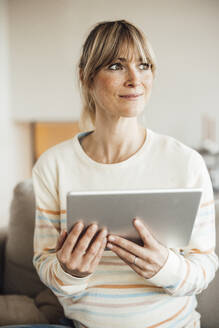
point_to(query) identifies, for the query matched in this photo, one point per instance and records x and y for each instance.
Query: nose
(132, 77)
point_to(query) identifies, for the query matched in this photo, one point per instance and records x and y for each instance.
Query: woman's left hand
(145, 260)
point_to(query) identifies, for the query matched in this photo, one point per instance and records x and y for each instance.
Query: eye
(115, 66)
(146, 66)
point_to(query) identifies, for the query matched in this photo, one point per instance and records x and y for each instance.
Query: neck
(113, 145)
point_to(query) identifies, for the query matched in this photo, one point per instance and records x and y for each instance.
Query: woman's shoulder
(175, 151)
(172, 145)
(55, 156)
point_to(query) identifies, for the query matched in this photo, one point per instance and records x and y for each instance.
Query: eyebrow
(122, 59)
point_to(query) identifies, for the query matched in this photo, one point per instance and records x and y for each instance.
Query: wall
(40, 43)
(47, 35)
(15, 138)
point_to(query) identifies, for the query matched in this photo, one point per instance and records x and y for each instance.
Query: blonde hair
(101, 47)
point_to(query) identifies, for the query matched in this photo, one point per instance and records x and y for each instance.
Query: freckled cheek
(108, 89)
(111, 84)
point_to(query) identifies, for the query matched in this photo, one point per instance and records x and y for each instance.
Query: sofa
(23, 297)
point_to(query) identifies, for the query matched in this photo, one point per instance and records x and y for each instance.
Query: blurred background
(40, 44)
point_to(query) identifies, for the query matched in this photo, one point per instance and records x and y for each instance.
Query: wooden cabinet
(46, 135)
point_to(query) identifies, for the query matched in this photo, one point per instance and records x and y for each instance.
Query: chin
(132, 112)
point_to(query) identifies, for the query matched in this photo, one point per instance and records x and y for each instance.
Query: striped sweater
(114, 295)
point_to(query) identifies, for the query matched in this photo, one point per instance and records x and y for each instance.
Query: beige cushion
(30, 301)
(20, 276)
(18, 309)
(49, 306)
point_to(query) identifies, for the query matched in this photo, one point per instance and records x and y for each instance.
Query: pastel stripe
(151, 307)
(116, 296)
(155, 306)
(58, 280)
(198, 251)
(204, 272)
(45, 226)
(204, 212)
(113, 305)
(172, 317)
(50, 211)
(207, 203)
(113, 272)
(45, 218)
(123, 286)
(186, 276)
(191, 309)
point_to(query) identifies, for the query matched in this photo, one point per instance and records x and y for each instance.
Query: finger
(122, 253)
(144, 232)
(99, 254)
(128, 259)
(96, 245)
(84, 242)
(61, 240)
(72, 239)
(139, 270)
(127, 245)
(140, 263)
(149, 273)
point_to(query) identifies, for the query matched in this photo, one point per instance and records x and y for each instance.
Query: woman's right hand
(79, 254)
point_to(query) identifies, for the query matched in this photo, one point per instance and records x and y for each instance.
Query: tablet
(168, 213)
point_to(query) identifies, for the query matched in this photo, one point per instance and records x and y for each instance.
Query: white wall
(15, 150)
(47, 35)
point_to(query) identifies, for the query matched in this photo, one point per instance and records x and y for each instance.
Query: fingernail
(137, 221)
(111, 238)
(104, 232)
(80, 224)
(94, 226)
(109, 245)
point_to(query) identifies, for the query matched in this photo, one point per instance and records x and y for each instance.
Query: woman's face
(123, 88)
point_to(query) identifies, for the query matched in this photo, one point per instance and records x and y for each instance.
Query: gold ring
(134, 261)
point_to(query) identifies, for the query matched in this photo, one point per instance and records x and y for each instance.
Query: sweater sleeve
(188, 271)
(46, 233)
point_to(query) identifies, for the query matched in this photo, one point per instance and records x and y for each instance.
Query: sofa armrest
(3, 238)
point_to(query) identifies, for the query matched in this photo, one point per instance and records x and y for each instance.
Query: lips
(131, 95)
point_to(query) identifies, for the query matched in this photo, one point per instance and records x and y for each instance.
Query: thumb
(144, 232)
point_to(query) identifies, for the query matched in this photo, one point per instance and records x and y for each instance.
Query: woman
(128, 285)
